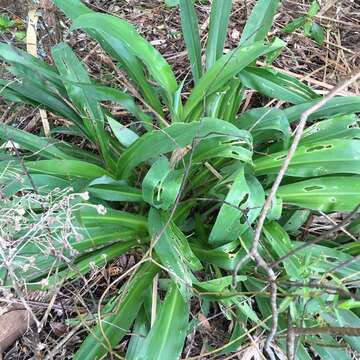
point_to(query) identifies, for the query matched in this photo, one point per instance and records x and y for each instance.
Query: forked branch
(254, 254)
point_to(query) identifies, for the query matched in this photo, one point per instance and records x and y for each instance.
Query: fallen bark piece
(13, 324)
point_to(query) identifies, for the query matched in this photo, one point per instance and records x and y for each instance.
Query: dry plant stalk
(31, 48)
(254, 254)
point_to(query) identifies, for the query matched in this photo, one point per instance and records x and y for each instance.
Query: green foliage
(311, 28)
(12, 26)
(188, 194)
(6, 23)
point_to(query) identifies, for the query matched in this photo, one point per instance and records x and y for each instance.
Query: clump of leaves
(188, 186)
(311, 28)
(8, 25)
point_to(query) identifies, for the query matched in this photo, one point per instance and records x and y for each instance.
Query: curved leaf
(126, 33)
(176, 136)
(126, 308)
(259, 22)
(190, 29)
(165, 340)
(89, 216)
(73, 9)
(219, 18)
(276, 85)
(112, 190)
(263, 122)
(92, 115)
(45, 147)
(223, 70)
(315, 159)
(174, 251)
(280, 242)
(64, 168)
(335, 106)
(227, 224)
(337, 193)
(345, 126)
(161, 184)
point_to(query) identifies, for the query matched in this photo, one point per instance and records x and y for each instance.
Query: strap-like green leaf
(336, 193)
(223, 70)
(259, 22)
(190, 28)
(125, 135)
(175, 137)
(119, 29)
(219, 18)
(45, 147)
(89, 216)
(72, 70)
(126, 308)
(98, 258)
(72, 8)
(279, 241)
(63, 168)
(33, 93)
(11, 184)
(105, 93)
(111, 190)
(227, 224)
(173, 250)
(263, 122)
(276, 85)
(336, 106)
(334, 156)
(165, 340)
(75, 8)
(140, 331)
(345, 127)
(161, 184)
(21, 60)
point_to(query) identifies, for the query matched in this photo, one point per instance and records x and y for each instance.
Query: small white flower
(92, 265)
(44, 282)
(101, 209)
(85, 195)
(79, 237)
(21, 211)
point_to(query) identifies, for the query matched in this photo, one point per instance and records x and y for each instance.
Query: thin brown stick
(343, 264)
(254, 254)
(290, 340)
(327, 287)
(342, 224)
(336, 331)
(344, 331)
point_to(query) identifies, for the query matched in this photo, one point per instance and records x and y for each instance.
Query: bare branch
(254, 254)
(341, 225)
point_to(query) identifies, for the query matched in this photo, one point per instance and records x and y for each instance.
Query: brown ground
(319, 66)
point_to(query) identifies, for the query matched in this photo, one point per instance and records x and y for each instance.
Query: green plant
(6, 24)
(171, 3)
(187, 188)
(311, 28)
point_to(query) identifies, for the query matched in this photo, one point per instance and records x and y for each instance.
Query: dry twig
(254, 254)
(342, 224)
